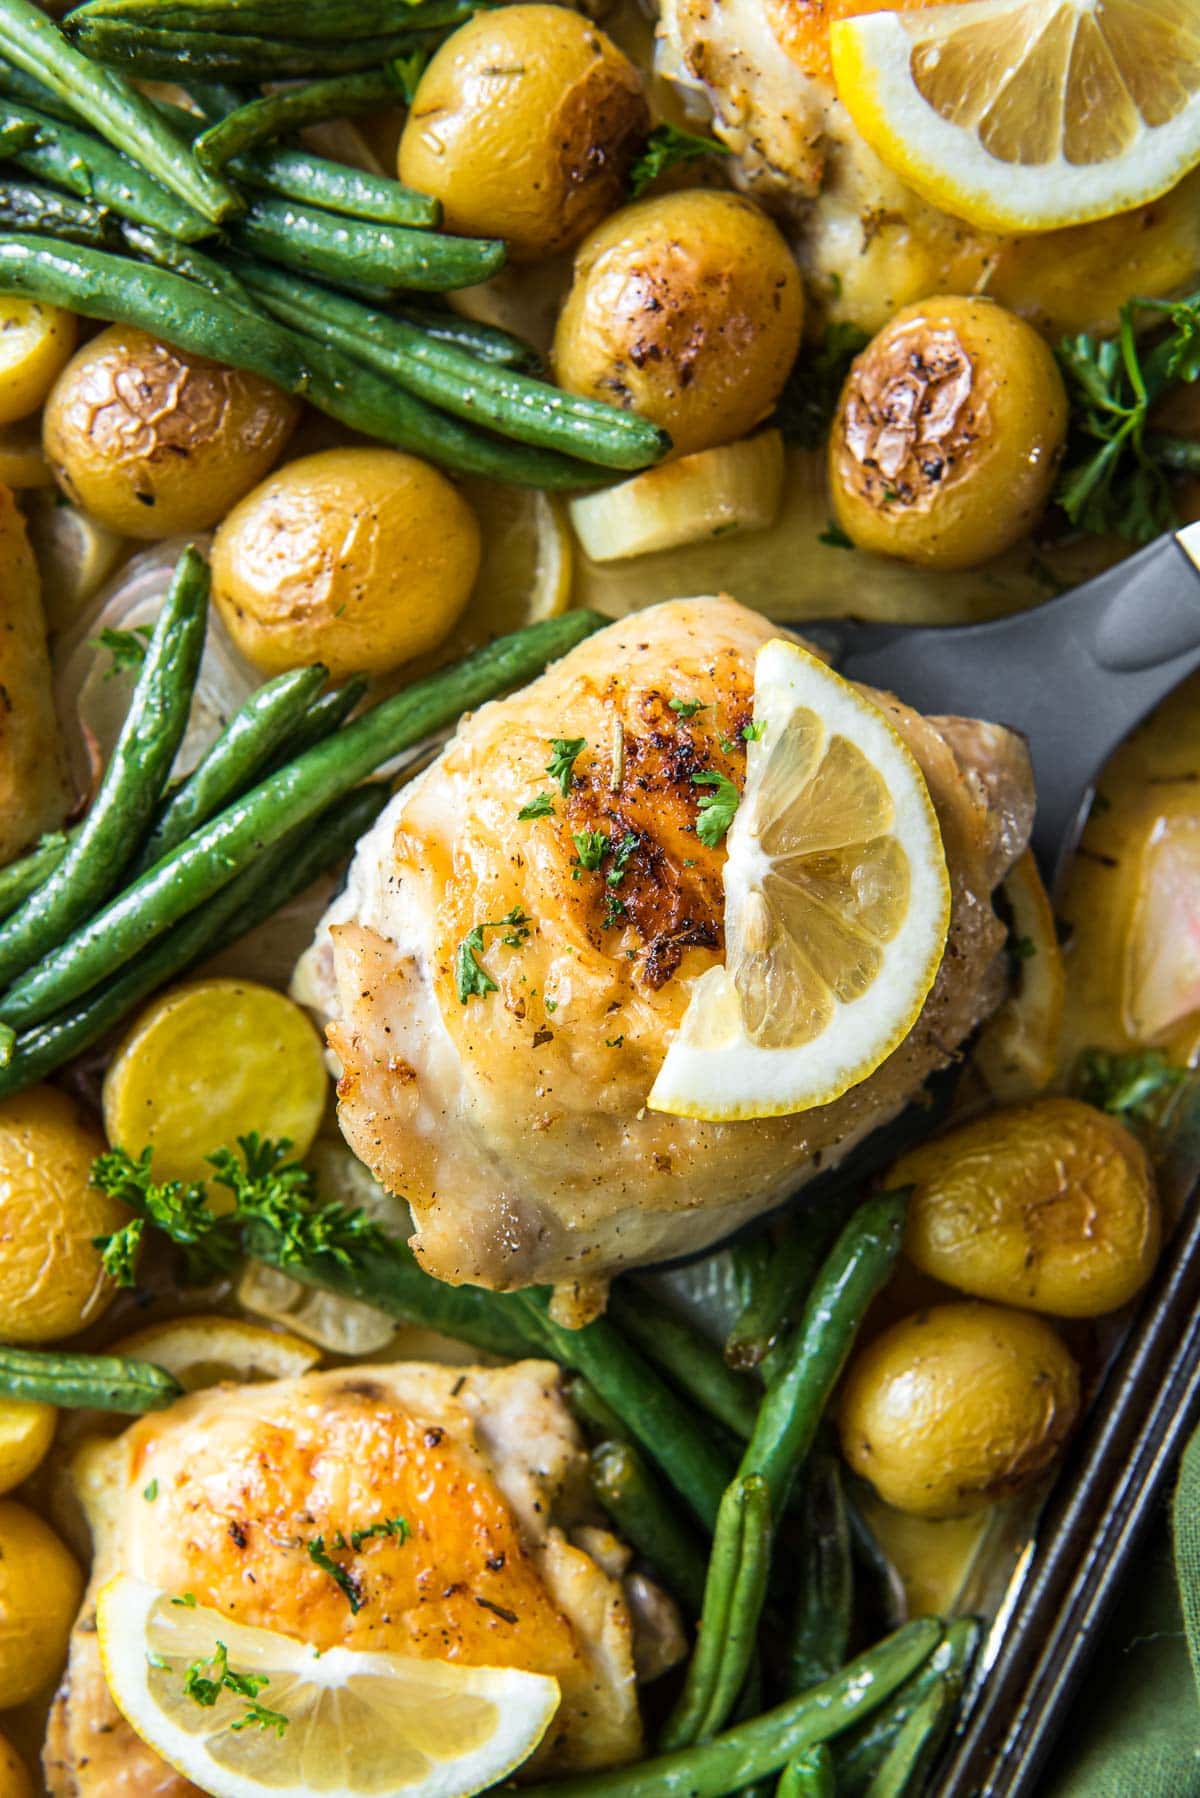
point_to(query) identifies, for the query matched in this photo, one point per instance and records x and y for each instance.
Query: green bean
(321, 719)
(133, 781)
(214, 55)
(28, 206)
(184, 259)
(505, 401)
(486, 343)
(856, 1269)
(859, 1754)
(118, 112)
(86, 166)
(915, 1748)
(278, 114)
(277, 876)
(690, 1362)
(15, 84)
(648, 1520)
(14, 136)
(324, 20)
(167, 305)
(598, 1419)
(749, 1751)
(675, 1440)
(240, 754)
(74, 1382)
(776, 1297)
(210, 858)
(733, 1598)
(808, 1775)
(379, 408)
(820, 1631)
(20, 878)
(324, 243)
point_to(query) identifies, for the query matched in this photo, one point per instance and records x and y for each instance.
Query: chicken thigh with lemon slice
(523, 932)
(438, 1514)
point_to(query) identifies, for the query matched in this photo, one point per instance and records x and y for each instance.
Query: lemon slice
(203, 1350)
(837, 904)
(346, 1724)
(1017, 1049)
(1023, 115)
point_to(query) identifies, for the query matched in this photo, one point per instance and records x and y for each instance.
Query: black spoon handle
(1073, 676)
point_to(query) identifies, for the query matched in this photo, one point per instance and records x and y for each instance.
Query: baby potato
(687, 308)
(40, 1589)
(26, 1432)
(1050, 1206)
(358, 558)
(52, 1282)
(153, 440)
(956, 1407)
(35, 342)
(15, 1779)
(947, 435)
(524, 126)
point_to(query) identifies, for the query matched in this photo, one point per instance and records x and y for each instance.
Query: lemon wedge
(343, 1723)
(1024, 115)
(837, 904)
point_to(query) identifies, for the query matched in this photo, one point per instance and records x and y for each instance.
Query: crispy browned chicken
(498, 1080)
(501, 1565)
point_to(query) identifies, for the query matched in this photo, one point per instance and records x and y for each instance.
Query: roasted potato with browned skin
(33, 782)
(524, 126)
(358, 558)
(948, 434)
(152, 440)
(687, 308)
(956, 1407)
(1050, 1206)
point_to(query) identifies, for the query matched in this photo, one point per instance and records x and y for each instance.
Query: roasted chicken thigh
(494, 1569)
(499, 1001)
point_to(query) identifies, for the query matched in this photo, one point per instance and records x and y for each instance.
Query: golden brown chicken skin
(486, 1470)
(512, 1116)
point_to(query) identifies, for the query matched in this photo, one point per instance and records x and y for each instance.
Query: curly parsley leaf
(119, 1251)
(1133, 1086)
(471, 978)
(564, 753)
(127, 648)
(667, 147)
(716, 808)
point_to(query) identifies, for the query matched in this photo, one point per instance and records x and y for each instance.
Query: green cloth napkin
(1134, 1731)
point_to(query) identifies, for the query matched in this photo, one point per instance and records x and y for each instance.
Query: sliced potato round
(36, 340)
(204, 1350)
(209, 1062)
(736, 487)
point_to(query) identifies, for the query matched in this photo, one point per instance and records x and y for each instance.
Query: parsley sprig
(667, 147)
(1135, 1086)
(1116, 477)
(207, 1678)
(564, 753)
(267, 1189)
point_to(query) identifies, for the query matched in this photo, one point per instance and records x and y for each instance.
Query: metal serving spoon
(1074, 675)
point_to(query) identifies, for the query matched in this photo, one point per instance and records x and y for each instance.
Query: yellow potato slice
(36, 341)
(207, 1063)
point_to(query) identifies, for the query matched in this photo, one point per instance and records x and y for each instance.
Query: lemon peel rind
(754, 1082)
(126, 1603)
(871, 62)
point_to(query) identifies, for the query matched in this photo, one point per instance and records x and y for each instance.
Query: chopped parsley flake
(150, 1492)
(186, 1600)
(391, 1526)
(591, 846)
(686, 708)
(564, 753)
(753, 733)
(205, 1687)
(621, 855)
(471, 979)
(127, 648)
(540, 807)
(716, 808)
(346, 1583)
